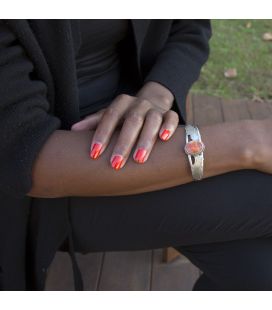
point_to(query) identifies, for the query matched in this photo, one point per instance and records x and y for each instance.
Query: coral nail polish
(140, 155)
(117, 161)
(95, 151)
(165, 134)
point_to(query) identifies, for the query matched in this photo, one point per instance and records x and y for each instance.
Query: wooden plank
(234, 110)
(269, 105)
(126, 271)
(207, 110)
(259, 109)
(179, 275)
(90, 266)
(60, 275)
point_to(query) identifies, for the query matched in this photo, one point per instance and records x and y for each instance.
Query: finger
(148, 136)
(88, 123)
(127, 138)
(100, 112)
(108, 124)
(169, 125)
(129, 134)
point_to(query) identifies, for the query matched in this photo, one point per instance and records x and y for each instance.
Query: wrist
(251, 148)
(228, 147)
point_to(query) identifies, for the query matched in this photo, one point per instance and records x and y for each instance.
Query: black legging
(222, 224)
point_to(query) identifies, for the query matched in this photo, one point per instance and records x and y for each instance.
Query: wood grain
(60, 275)
(178, 275)
(126, 271)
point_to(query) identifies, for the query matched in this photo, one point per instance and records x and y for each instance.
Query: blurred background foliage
(246, 47)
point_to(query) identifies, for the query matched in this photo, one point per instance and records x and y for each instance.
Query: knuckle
(154, 115)
(122, 149)
(122, 97)
(135, 117)
(112, 112)
(144, 103)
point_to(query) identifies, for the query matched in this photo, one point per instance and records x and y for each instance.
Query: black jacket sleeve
(25, 123)
(178, 64)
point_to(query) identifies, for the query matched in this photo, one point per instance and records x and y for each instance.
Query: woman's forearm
(63, 167)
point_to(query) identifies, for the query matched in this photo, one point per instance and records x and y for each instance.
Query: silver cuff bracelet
(194, 148)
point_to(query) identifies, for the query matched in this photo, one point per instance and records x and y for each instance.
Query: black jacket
(38, 94)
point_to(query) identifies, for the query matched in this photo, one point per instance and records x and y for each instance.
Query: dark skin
(64, 168)
(145, 117)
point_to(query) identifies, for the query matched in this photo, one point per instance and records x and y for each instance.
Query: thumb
(90, 122)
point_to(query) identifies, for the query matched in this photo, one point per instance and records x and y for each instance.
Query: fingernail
(117, 161)
(165, 134)
(140, 155)
(96, 149)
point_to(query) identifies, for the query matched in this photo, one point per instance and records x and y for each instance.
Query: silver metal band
(197, 160)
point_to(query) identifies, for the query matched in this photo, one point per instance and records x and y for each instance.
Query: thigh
(234, 265)
(236, 205)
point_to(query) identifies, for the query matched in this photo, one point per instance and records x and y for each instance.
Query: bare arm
(63, 167)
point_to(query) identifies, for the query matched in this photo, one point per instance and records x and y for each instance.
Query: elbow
(45, 192)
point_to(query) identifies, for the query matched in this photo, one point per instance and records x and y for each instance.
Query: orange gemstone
(194, 147)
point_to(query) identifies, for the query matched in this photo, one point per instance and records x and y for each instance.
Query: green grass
(233, 45)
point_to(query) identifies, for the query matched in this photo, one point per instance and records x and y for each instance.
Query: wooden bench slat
(179, 275)
(207, 110)
(234, 110)
(126, 271)
(259, 110)
(60, 275)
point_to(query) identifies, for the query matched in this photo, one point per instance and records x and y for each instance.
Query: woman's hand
(143, 118)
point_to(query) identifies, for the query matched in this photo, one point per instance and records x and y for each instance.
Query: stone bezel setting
(194, 147)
